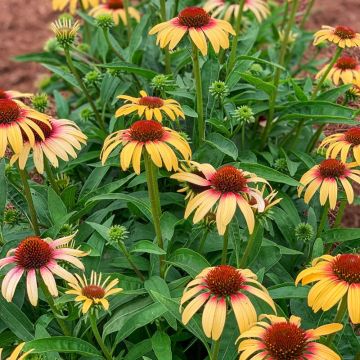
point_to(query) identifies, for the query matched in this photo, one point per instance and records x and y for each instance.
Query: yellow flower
(150, 106)
(19, 123)
(346, 69)
(343, 36)
(215, 288)
(151, 136)
(73, 4)
(343, 143)
(115, 8)
(226, 11)
(61, 137)
(280, 338)
(355, 90)
(15, 355)
(224, 189)
(94, 292)
(326, 177)
(199, 24)
(336, 277)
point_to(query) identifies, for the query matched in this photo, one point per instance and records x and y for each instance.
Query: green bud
(86, 114)
(40, 102)
(117, 234)
(105, 21)
(244, 114)
(304, 232)
(281, 165)
(162, 83)
(256, 69)
(219, 90)
(67, 230)
(65, 31)
(92, 77)
(63, 181)
(11, 215)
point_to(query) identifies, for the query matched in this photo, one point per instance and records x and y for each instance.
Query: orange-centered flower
(227, 9)
(17, 119)
(335, 277)
(16, 354)
(343, 36)
(151, 136)
(73, 4)
(327, 176)
(282, 339)
(216, 288)
(35, 256)
(224, 189)
(343, 143)
(115, 8)
(150, 106)
(60, 140)
(94, 292)
(346, 69)
(12, 94)
(199, 24)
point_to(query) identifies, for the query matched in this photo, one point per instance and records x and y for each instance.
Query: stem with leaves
(323, 220)
(249, 246)
(98, 338)
(166, 50)
(338, 318)
(225, 247)
(132, 264)
(128, 18)
(51, 177)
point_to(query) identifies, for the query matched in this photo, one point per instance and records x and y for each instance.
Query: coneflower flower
(227, 9)
(116, 9)
(343, 36)
(199, 24)
(12, 94)
(149, 136)
(282, 339)
(151, 107)
(225, 189)
(94, 292)
(326, 176)
(216, 288)
(35, 256)
(17, 119)
(336, 277)
(343, 143)
(60, 140)
(16, 354)
(73, 4)
(346, 69)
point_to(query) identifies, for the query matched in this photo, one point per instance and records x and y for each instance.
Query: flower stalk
(132, 264)
(166, 50)
(225, 247)
(98, 338)
(51, 177)
(338, 318)
(215, 350)
(323, 220)
(249, 246)
(128, 19)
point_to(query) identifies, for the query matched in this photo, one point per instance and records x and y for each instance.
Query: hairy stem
(323, 220)
(245, 258)
(338, 319)
(50, 176)
(225, 247)
(98, 338)
(166, 50)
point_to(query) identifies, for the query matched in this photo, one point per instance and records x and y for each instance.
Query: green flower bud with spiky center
(256, 69)
(117, 234)
(65, 31)
(219, 90)
(66, 16)
(281, 165)
(115, 72)
(40, 102)
(11, 215)
(67, 230)
(162, 83)
(105, 21)
(304, 232)
(86, 114)
(63, 181)
(244, 114)
(92, 77)
(52, 45)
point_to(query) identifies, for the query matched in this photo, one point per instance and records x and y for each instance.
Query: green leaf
(258, 83)
(188, 260)
(223, 144)
(138, 350)
(268, 173)
(62, 344)
(188, 111)
(340, 235)
(63, 74)
(57, 208)
(146, 246)
(16, 320)
(256, 246)
(318, 248)
(3, 187)
(130, 68)
(43, 57)
(93, 180)
(161, 344)
(288, 291)
(62, 106)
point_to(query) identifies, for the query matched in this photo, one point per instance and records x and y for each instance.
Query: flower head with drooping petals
(13, 94)
(35, 256)
(217, 287)
(60, 5)
(343, 36)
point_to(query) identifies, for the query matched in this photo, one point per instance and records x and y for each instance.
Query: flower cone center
(347, 268)
(353, 136)
(9, 111)
(347, 63)
(224, 280)
(33, 253)
(146, 130)
(332, 168)
(285, 341)
(151, 102)
(344, 32)
(115, 4)
(229, 179)
(93, 292)
(194, 17)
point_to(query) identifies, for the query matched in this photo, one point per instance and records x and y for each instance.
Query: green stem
(50, 301)
(235, 39)
(132, 264)
(72, 68)
(51, 177)
(199, 95)
(309, 7)
(243, 136)
(323, 220)
(153, 189)
(315, 138)
(278, 72)
(338, 319)
(87, 35)
(326, 73)
(30, 202)
(202, 240)
(176, 7)
(215, 350)
(340, 214)
(285, 15)
(98, 338)
(128, 18)
(166, 50)
(225, 247)
(245, 258)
